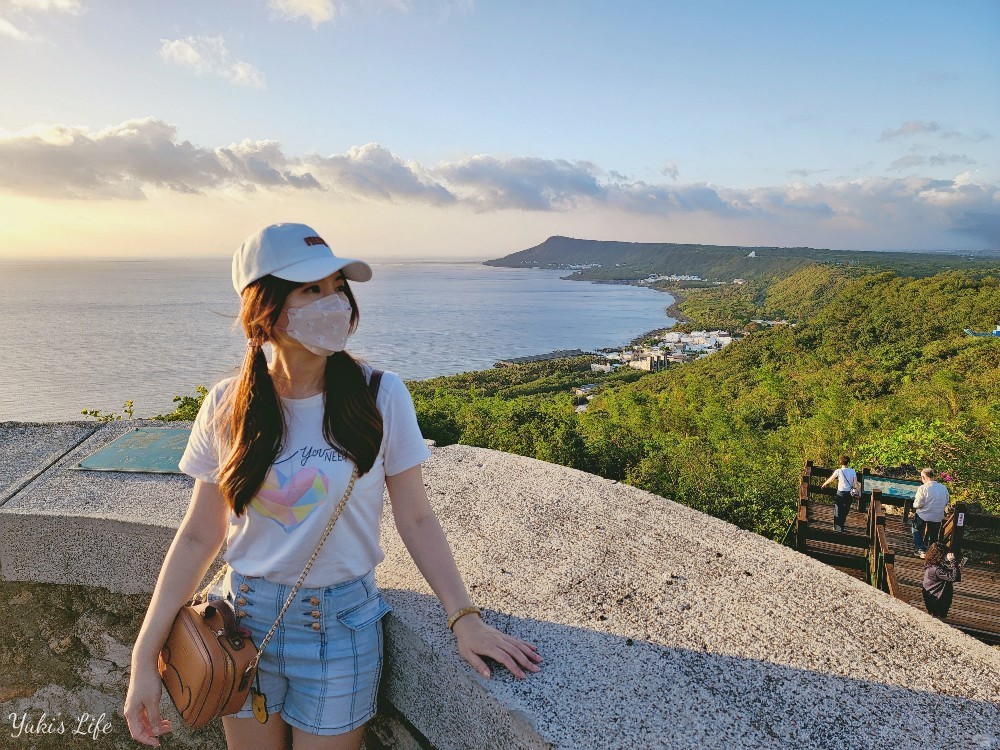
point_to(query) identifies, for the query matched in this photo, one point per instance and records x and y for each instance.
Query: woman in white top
(847, 480)
(272, 451)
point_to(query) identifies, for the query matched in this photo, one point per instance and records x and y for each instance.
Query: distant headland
(600, 260)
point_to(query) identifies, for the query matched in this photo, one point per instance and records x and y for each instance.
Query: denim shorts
(322, 666)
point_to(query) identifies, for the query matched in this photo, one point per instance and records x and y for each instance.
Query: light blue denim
(322, 666)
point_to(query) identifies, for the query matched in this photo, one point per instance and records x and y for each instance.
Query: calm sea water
(93, 334)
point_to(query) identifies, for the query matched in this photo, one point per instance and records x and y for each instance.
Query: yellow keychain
(258, 701)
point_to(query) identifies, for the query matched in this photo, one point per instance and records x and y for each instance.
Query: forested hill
(633, 260)
(876, 365)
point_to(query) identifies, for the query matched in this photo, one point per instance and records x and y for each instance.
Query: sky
(475, 128)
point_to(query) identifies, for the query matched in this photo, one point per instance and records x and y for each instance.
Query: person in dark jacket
(941, 572)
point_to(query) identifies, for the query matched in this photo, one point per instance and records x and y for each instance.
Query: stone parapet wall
(661, 627)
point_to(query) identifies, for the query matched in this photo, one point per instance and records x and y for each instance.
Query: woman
(272, 452)
(848, 489)
(941, 572)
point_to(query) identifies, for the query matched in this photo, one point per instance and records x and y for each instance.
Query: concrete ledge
(91, 528)
(26, 450)
(661, 627)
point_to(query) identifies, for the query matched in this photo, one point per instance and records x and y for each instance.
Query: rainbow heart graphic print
(289, 497)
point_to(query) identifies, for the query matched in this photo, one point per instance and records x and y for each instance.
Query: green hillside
(633, 260)
(876, 365)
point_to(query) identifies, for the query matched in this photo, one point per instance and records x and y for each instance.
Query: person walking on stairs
(929, 504)
(848, 490)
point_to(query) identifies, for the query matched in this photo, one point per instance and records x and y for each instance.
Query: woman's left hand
(477, 639)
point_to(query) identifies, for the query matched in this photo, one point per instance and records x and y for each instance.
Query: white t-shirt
(930, 501)
(281, 526)
(846, 477)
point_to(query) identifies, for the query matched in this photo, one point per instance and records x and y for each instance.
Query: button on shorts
(322, 666)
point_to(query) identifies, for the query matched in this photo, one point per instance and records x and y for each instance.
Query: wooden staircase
(877, 548)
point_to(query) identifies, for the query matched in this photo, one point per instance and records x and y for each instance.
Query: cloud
(59, 6)
(126, 160)
(318, 12)
(134, 158)
(918, 127)
(913, 127)
(906, 162)
(943, 159)
(645, 198)
(981, 225)
(805, 172)
(671, 170)
(463, 7)
(26, 9)
(527, 183)
(315, 11)
(976, 136)
(209, 54)
(373, 172)
(8, 29)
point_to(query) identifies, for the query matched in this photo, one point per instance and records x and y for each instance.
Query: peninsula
(598, 260)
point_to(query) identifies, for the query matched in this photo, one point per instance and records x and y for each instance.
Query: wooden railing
(881, 559)
(961, 521)
(801, 526)
(806, 488)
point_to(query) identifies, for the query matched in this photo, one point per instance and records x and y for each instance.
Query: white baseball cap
(293, 252)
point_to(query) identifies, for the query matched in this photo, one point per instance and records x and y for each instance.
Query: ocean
(94, 333)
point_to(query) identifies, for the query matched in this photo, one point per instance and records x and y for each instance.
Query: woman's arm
(832, 478)
(196, 543)
(425, 540)
(953, 573)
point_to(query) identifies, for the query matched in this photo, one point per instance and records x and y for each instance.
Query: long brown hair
(935, 555)
(252, 420)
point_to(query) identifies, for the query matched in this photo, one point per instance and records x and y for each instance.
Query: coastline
(674, 310)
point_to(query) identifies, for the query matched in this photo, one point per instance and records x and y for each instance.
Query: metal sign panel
(144, 449)
(897, 488)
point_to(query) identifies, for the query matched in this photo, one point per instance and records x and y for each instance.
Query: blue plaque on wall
(147, 449)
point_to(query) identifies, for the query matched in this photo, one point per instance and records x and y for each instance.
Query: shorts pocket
(373, 609)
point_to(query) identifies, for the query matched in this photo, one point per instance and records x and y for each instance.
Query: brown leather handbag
(208, 663)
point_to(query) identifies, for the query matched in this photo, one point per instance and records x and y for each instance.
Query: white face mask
(322, 326)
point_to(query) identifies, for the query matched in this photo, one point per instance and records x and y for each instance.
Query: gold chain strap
(203, 594)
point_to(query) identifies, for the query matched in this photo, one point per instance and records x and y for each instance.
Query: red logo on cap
(315, 241)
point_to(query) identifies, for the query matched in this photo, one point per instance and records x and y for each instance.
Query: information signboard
(903, 489)
(147, 449)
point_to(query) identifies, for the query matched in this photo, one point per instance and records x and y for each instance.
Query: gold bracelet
(470, 610)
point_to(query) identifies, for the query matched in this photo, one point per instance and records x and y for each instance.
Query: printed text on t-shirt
(306, 452)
